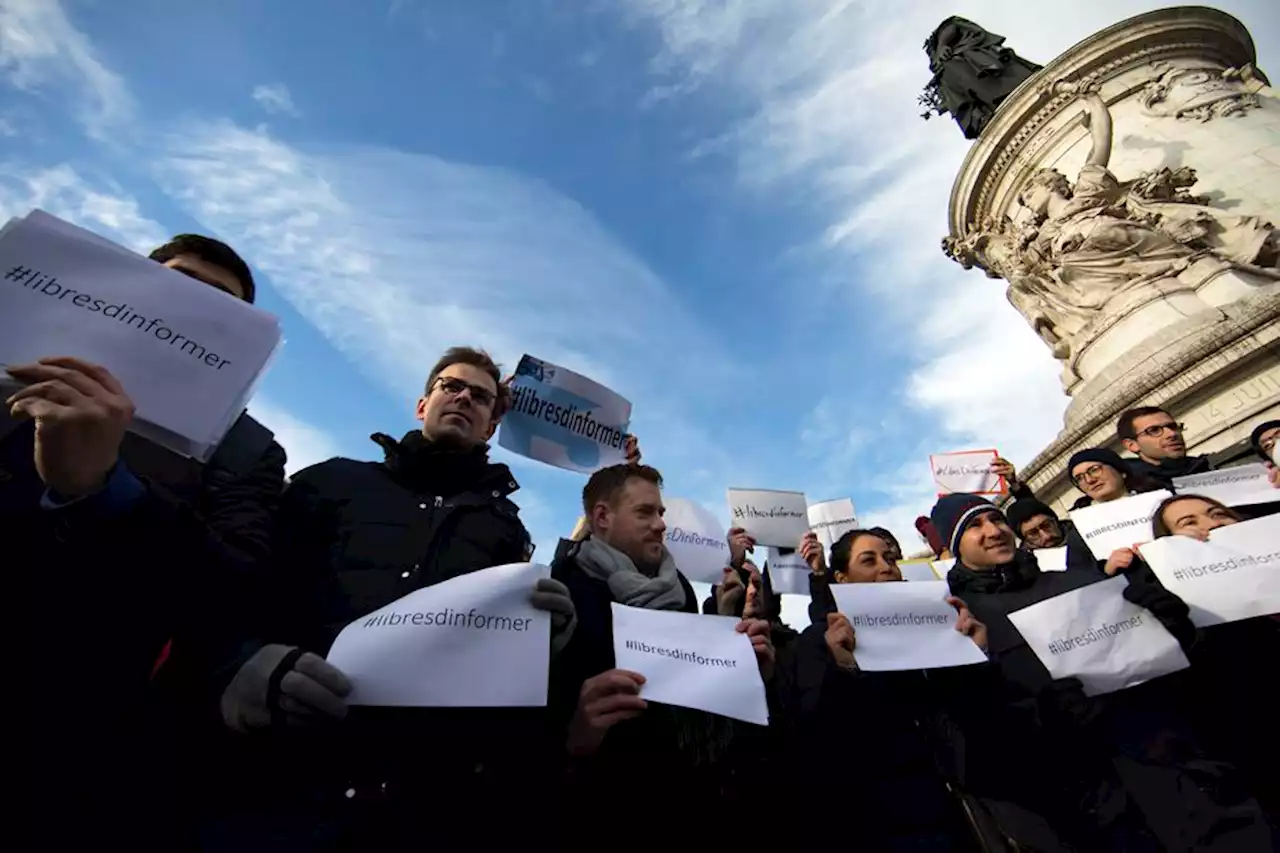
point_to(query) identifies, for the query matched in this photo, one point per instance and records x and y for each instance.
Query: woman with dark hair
(1224, 663)
(884, 740)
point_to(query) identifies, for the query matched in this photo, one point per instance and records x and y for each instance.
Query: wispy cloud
(41, 50)
(97, 205)
(275, 99)
(303, 442)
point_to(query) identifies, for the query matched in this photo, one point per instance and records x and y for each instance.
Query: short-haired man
(135, 545)
(1155, 437)
(354, 536)
(614, 735)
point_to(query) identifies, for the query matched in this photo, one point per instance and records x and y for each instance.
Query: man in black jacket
(132, 546)
(351, 537)
(1156, 439)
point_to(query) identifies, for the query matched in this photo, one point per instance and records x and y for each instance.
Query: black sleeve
(1146, 591)
(1022, 492)
(821, 601)
(242, 510)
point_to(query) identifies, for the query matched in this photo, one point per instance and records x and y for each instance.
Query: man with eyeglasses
(354, 536)
(1156, 439)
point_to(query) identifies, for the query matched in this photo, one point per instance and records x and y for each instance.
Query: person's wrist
(75, 487)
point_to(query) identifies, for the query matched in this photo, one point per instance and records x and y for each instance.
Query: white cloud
(275, 99)
(99, 206)
(40, 50)
(304, 443)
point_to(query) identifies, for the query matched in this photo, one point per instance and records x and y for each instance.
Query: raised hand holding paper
(831, 520)
(474, 641)
(564, 419)
(904, 626)
(966, 471)
(1233, 576)
(1116, 524)
(1095, 635)
(771, 517)
(695, 538)
(691, 660)
(1238, 486)
(788, 573)
(187, 355)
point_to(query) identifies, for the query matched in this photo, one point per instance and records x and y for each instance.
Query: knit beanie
(952, 514)
(1023, 510)
(1255, 439)
(1097, 454)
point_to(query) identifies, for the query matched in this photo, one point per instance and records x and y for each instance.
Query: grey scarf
(626, 583)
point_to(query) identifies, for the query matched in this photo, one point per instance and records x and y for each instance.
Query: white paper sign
(917, 571)
(941, 567)
(691, 660)
(1238, 486)
(831, 520)
(187, 354)
(1233, 576)
(474, 641)
(773, 518)
(1051, 559)
(564, 419)
(966, 471)
(904, 626)
(696, 540)
(1095, 635)
(788, 573)
(1122, 523)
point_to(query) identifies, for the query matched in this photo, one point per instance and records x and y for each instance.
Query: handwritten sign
(772, 517)
(696, 540)
(564, 419)
(831, 520)
(1233, 576)
(1117, 524)
(967, 472)
(1238, 486)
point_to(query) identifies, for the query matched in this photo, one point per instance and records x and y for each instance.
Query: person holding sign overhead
(145, 552)
(615, 737)
(351, 538)
(1129, 772)
(883, 739)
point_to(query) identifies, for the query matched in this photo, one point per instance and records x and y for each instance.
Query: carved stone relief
(1198, 94)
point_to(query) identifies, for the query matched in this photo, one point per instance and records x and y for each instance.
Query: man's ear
(1131, 445)
(420, 413)
(489, 433)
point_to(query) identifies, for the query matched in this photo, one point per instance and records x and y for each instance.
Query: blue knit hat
(952, 514)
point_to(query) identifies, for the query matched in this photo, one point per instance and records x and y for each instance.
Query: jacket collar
(425, 467)
(1019, 573)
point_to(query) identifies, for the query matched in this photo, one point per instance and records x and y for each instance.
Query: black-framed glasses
(1093, 472)
(454, 386)
(1044, 530)
(1157, 430)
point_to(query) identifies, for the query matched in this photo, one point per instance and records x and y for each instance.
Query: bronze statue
(972, 73)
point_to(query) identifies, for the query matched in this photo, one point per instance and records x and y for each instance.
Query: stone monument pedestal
(1147, 265)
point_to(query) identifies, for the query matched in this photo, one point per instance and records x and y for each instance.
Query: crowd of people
(179, 615)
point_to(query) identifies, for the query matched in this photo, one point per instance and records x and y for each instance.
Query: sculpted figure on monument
(972, 73)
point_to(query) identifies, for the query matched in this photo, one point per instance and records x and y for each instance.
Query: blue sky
(727, 211)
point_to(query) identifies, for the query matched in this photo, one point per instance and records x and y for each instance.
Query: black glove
(283, 685)
(553, 596)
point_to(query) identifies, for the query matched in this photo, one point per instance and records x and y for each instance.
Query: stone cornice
(1197, 32)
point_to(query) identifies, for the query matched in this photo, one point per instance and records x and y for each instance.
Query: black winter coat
(690, 756)
(1129, 770)
(883, 749)
(105, 594)
(352, 537)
